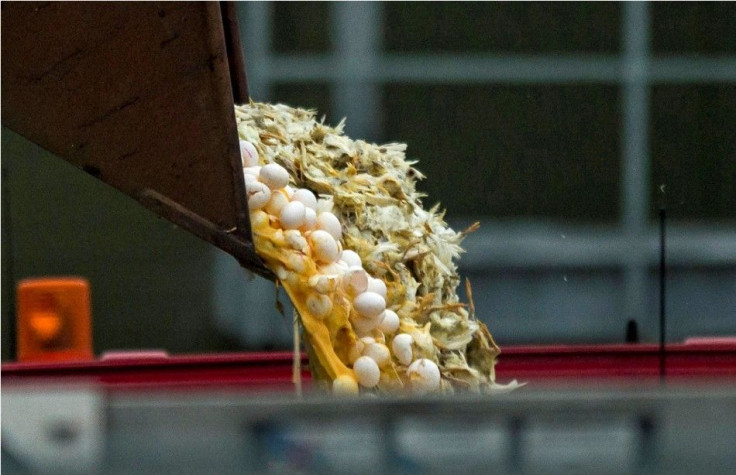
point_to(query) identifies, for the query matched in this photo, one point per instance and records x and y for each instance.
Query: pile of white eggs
(311, 229)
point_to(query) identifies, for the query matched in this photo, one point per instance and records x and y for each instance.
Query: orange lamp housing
(54, 322)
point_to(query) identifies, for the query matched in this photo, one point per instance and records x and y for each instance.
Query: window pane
(301, 27)
(305, 96)
(509, 151)
(518, 27)
(551, 306)
(694, 149)
(693, 27)
(700, 301)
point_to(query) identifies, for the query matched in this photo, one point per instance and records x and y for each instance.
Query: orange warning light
(54, 322)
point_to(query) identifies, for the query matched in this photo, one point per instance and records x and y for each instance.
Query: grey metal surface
(357, 36)
(610, 431)
(672, 430)
(497, 245)
(53, 430)
(486, 68)
(635, 157)
(256, 18)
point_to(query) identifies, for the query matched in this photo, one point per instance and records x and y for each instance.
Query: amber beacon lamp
(54, 320)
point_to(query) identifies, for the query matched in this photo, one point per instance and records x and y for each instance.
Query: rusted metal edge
(236, 62)
(230, 242)
(86, 104)
(239, 86)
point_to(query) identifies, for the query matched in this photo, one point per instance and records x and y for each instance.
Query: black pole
(662, 289)
(9, 277)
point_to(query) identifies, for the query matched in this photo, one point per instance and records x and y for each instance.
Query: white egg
(355, 281)
(363, 326)
(282, 272)
(319, 305)
(292, 279)
(355, 351)
(390, 322)
(333, 268)
(377, 286)
(379, 353)
(323, 283)
(345, 385)
(249, 178)
(310, 219)
(366, 371)
(351, 258)
(289, 191)
(324, 246)
(276, 203)
(258, 195)
(295, 240)
(274, 176)
(278, 237)
(297, 262)
(379, 318)
(367, 340)
(327, 221)
(424, 376)
(258, 219)
(248, 153)
(253, 171)
(369, 305)
(306, 197)
(292, 215)
(286, 276)
(401, 347)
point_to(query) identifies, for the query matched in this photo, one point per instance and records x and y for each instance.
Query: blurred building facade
(562, 127)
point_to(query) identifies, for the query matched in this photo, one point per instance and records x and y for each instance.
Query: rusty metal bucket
(140, 95)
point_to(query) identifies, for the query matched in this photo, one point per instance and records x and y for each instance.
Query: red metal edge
(258, 371)
(578, 364)
(150, 359)
(707, 360)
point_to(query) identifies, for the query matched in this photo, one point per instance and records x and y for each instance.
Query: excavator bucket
(139, 95)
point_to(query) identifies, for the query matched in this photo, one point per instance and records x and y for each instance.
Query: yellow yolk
(331, 336)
